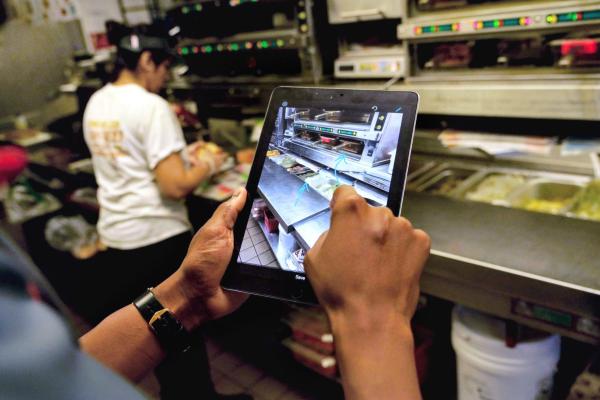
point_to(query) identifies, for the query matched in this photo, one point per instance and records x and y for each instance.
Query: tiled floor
(232, 375)
(255, 248)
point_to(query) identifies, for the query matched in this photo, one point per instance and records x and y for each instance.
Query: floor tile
(213, 349)
(268, 388)
(293, 395)
(253, 261)
(226, 363)
(262, 247)
(253, 230)
(266, 258)
(246, 243)
(227, 386)
(246, 375)
(247, 254)
(258, 238)
(216, 375)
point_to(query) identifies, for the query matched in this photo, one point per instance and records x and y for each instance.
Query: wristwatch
(169, 331)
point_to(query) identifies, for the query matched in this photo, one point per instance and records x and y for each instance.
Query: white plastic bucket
(489, 370)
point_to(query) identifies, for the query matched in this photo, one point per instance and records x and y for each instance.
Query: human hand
(198, 280)
(206, 154)
(367, 266)
(193, 150)
(218, 160)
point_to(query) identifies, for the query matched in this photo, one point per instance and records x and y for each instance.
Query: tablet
(313, 141)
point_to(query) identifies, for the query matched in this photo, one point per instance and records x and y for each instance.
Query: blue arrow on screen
(338, 161)
(302, 189)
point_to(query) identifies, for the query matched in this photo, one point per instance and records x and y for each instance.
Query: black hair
(127, 59)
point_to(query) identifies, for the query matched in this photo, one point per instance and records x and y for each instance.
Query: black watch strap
(171, 334)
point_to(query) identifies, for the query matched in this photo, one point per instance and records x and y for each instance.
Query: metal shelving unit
(287, 50)
(492, 19)
(527, 91)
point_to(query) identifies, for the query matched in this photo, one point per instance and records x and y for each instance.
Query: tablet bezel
(288, 285)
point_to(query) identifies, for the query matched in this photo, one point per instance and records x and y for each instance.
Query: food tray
(542, 195)
(446, 180)
(417, 168)
(587, 203)
(491, 186)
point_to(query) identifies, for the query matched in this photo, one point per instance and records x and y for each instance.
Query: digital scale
(371, 63)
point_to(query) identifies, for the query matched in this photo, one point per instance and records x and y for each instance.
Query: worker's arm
(365, 271)
(124, 342)
(176, 181)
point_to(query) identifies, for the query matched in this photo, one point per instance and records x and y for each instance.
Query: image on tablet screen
(311, 152)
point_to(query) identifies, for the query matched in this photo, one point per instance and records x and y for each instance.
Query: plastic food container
(323, 364)
(492, 187)
(587, 204)
(270, 221)
(312, 331)
(417, 168)
(258, 208)
(546, 196)
(446, 180)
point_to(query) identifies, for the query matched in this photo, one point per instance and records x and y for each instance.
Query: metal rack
(257, 52)
(501, 18)
(542, 91)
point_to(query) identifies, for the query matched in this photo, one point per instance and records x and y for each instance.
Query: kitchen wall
(33, 58)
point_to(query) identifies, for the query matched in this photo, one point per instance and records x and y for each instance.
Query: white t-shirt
(129, 131)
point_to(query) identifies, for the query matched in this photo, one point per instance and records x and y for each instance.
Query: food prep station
(511, 236)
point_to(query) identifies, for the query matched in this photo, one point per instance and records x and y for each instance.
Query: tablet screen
(311, 152)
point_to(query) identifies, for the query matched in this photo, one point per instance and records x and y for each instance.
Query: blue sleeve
(39, 356)
(39, 360)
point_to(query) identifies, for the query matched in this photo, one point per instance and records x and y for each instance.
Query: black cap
(142, 38)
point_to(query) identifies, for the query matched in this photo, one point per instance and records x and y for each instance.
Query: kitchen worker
(370, 312)
(141, 167)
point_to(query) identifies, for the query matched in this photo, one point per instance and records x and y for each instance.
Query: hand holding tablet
(368, 258)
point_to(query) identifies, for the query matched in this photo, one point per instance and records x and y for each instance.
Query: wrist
(370, 325)
(371, 349)
(172, 295)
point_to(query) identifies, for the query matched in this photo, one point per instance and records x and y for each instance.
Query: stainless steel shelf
(279, 189)
(258, 35)
(495, 258)
(526, 16)
(574, 99)
(507, 74)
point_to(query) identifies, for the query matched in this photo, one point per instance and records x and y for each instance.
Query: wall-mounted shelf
(544, 99)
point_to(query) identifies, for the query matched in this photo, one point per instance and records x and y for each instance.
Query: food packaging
(320, 363)
(245, 156)
(576, 52)
(270, 221)
(311, 328)
(258, 209)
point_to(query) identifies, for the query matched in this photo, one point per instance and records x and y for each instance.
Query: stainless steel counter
(308, 232)
(280, 190)
(496, 258)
